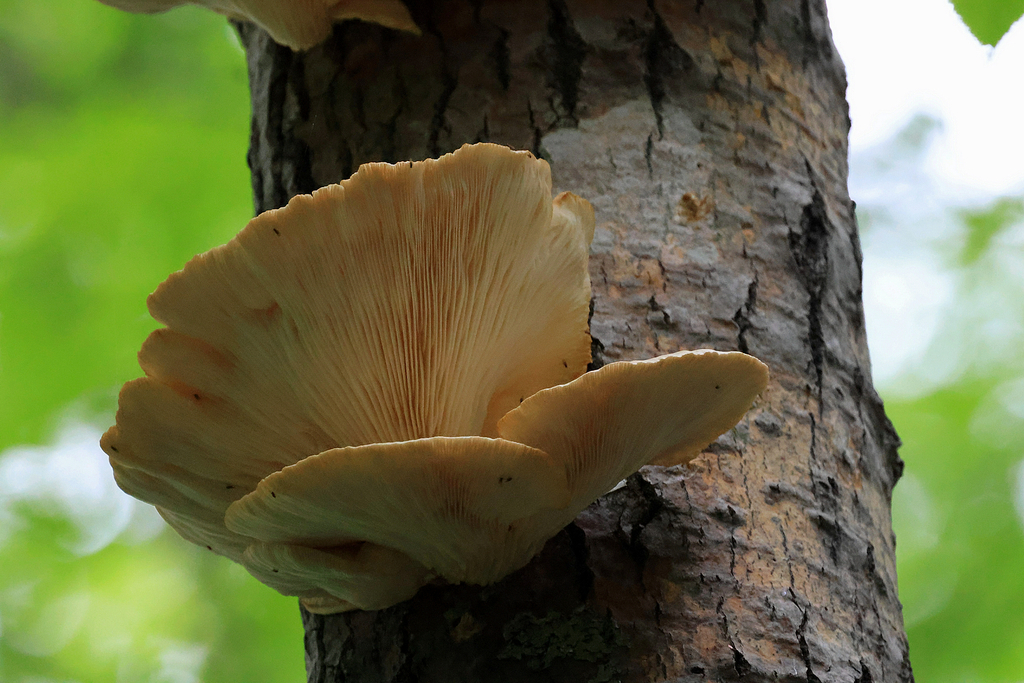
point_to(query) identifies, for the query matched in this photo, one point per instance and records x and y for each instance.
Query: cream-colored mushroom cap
(452, 504)
(299, 24)
(476, 509)
(410, 301)
(661, 411)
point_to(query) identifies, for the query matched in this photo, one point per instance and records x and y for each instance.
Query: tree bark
(711, 139)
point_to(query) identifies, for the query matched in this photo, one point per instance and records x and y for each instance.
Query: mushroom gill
(383, 383)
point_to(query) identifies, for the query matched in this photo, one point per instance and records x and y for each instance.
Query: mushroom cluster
(299, 24)
(384, 383)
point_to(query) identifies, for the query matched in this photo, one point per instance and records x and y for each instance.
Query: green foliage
(104, 193)
(989, 20)
(122, 154)
(960, 546)
(982, 226)
(958, 513)
(137, 612)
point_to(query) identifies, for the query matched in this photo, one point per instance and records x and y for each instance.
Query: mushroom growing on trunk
(383, 383)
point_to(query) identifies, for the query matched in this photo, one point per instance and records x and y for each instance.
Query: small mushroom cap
(608, 423)
(410, 301)
(451, 504)
(299, 24)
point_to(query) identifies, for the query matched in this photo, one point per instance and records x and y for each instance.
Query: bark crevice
(744, 316)
(569, 50)
(664, 61)
(810, 247)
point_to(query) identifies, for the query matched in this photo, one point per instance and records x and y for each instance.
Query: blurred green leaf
(960, 529)
(986, 224)
(119, 614)
(960, 539)
(989, 20)
(122, 154)
(113, 178)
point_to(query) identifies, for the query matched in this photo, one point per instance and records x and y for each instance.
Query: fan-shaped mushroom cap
(410, 301)
(452, 504)
(607, 424)
(476, 509)
(299, 24)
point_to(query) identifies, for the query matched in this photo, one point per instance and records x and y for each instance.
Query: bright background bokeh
(122, 154)
(937, 171)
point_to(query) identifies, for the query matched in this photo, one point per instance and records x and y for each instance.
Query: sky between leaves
(122, 154)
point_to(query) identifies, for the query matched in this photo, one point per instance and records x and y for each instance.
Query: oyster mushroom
(381, 384)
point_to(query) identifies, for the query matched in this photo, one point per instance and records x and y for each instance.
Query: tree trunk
(711, 139)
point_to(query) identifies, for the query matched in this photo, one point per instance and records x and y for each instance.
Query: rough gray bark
(711, 139)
